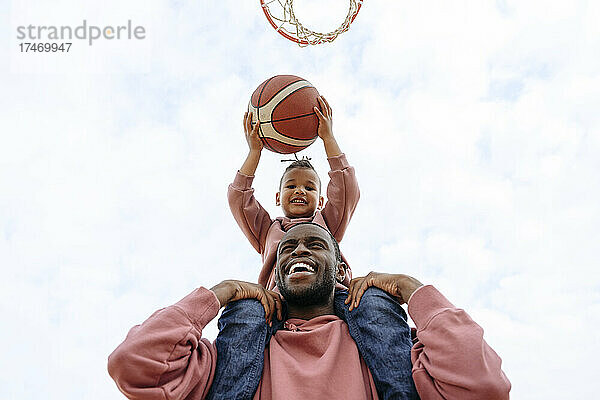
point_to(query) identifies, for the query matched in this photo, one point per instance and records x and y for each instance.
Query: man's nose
(300, 249)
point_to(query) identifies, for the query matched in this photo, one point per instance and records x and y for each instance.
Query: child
(300, 183)
(244, 332)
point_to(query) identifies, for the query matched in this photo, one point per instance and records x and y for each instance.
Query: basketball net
(280, 14)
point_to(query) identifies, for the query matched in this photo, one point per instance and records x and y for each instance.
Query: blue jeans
(378, 326)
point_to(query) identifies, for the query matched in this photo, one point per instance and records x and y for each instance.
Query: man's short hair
(336, 246)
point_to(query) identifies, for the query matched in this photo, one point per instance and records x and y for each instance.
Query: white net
(281, 15)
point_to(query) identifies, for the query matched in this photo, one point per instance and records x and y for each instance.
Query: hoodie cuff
(338, 163)
(201, 306)
(242, 182)
(425, 303)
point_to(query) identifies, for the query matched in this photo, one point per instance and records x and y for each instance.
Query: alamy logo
(81, 32)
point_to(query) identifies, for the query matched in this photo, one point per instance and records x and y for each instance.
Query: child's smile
(299, 194)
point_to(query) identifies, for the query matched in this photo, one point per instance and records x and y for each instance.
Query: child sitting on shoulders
(299, 196)
(378, 326)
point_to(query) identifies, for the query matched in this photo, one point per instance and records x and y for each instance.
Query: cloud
(473, 129)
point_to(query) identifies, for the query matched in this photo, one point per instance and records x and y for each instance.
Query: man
(314, 357)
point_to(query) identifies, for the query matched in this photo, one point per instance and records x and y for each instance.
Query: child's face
(299, 193)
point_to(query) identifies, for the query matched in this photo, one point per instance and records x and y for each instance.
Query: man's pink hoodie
(166, 357)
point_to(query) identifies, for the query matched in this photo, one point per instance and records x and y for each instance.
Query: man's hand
(398, 285)
(254, 142)
(325, 130)
(230, 290)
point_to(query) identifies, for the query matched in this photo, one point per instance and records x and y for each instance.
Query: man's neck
(310, 312)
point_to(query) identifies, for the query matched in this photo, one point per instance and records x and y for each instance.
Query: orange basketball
(284, 107)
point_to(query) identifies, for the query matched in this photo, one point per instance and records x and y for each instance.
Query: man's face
(307, 266)
(299, 193)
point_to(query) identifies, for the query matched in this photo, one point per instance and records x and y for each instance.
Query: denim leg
(243, 336)
(379, 328)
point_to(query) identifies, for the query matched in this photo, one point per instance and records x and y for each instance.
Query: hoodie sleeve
(166, 357)
(251, 217)
(451, 360)
(342, 196)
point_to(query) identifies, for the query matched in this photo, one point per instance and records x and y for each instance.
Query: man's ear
(277, 198)
(341, 272)
(321, 200)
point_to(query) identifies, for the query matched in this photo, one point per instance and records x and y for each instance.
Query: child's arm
(325, 131)
(251, 217)
(342, 190)
(254, 144)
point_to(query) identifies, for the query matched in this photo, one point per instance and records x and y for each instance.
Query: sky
(473, 127)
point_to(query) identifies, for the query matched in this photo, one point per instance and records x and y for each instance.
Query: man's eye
(317, 245)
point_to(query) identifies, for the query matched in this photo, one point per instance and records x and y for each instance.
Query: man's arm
(451, 360)
(166, 356)
(342, 190)
(251, 217)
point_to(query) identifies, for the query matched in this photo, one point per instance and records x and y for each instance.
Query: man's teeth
(301, 267)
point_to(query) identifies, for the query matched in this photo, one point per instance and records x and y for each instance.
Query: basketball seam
(287, 136)
(262, 136)
(286, 85)
(297, 116)
(293, 145)
(282, 100)
(264, 139)
(287, 144)
(261, 91)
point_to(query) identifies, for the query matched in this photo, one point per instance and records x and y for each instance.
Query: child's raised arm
(325, 132)
(250, 216)
(342, 190)
(255, 145)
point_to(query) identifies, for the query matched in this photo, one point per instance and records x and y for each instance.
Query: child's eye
(291, 187)
(309, 188)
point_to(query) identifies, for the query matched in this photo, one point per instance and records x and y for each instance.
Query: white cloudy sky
(473, 126)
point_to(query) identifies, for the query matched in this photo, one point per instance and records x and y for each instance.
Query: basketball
(284, 107)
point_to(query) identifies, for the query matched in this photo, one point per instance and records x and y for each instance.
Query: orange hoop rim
(293, 38)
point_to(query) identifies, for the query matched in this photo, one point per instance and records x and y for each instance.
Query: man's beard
(318, 293)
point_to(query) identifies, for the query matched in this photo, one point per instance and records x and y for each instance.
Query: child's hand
(254, 142)
(325, 131)
(398, 285)
(232, 290)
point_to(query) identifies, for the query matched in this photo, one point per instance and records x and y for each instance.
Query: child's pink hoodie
(166, 357)
(265, 233)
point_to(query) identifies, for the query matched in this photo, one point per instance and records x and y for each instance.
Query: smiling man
(308, 267)
(313, 355)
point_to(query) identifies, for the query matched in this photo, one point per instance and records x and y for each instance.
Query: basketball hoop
(280, 14)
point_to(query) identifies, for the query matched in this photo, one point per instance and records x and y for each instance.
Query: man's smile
(299, 268)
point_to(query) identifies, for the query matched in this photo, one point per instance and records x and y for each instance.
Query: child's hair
(303, 163)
